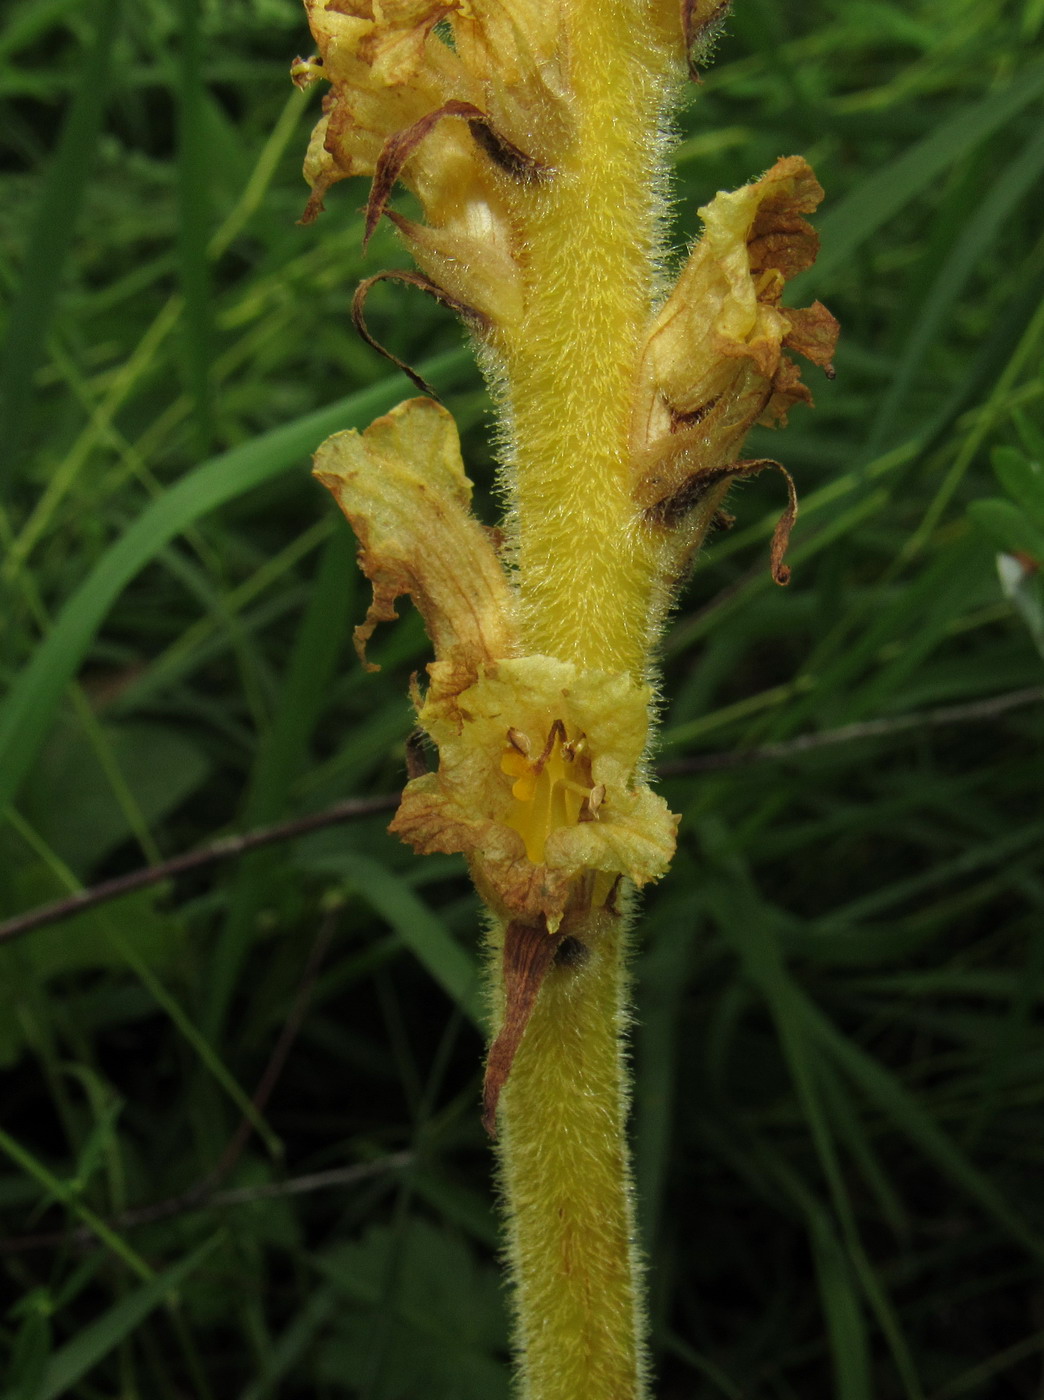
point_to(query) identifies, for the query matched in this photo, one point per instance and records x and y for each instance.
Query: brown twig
(280, 1050)
(228, 848)
(196, 1199)
(976, 710)
(205, 1193)
(354, 808)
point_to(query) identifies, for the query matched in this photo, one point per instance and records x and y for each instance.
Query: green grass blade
(983, 226)
(661, 984)
(880, 196)
(60, 1191)
(194, 220)
(299, 1334)
(884, 1089)
(167, 1003)
(93, 1343)
(33, 700)
(747, 923)
(50, 238)
(846, 1327)
(282, 755)
(975, 857)
(194, 1037)
(419, 927)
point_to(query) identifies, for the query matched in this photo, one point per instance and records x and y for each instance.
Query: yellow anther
(551, 791)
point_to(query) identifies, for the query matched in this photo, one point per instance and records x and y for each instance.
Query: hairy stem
(566, 1181)
(591, 235)
(587, 586)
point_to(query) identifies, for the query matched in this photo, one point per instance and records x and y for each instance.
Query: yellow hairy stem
(580, 1332)
(584, 581)
(591, 233)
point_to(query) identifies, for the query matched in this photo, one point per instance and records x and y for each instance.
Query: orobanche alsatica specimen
(530, 131)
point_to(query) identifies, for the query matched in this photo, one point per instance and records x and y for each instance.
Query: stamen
(556, 736)
(551, 791)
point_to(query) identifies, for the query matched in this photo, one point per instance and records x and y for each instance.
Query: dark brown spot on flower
(571, 952)
(416, 755)
(672, 509)
(612, 899)
(689, 418)
(669, 512)
(505, 154)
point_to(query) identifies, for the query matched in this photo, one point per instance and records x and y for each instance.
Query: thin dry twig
(352, 809)
(973, 712)
(195, 1199)
(228, 848)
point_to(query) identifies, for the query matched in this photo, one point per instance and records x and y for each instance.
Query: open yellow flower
(539, 779)
(538, 785)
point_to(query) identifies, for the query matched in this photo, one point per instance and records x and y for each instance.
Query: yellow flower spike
(531, 134)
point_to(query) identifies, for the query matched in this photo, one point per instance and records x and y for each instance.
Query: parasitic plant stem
(531, 132)
(592, 236)
(580, 1328)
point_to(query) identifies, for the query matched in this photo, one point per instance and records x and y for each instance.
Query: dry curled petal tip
(413, 279)
(701, 25)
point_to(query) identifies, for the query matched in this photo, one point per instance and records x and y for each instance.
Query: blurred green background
(240, 1153)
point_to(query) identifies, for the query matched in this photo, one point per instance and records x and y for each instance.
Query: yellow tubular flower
(530, 132)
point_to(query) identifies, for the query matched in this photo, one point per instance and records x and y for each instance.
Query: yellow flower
(539, 781)
(460, 123)
(715, 363)
(538, 785)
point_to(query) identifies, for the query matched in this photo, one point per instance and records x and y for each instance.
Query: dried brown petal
(529, 951)
(413, 279)
(396, 152)
(813, 333)
(672, 510)
(701, 23)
